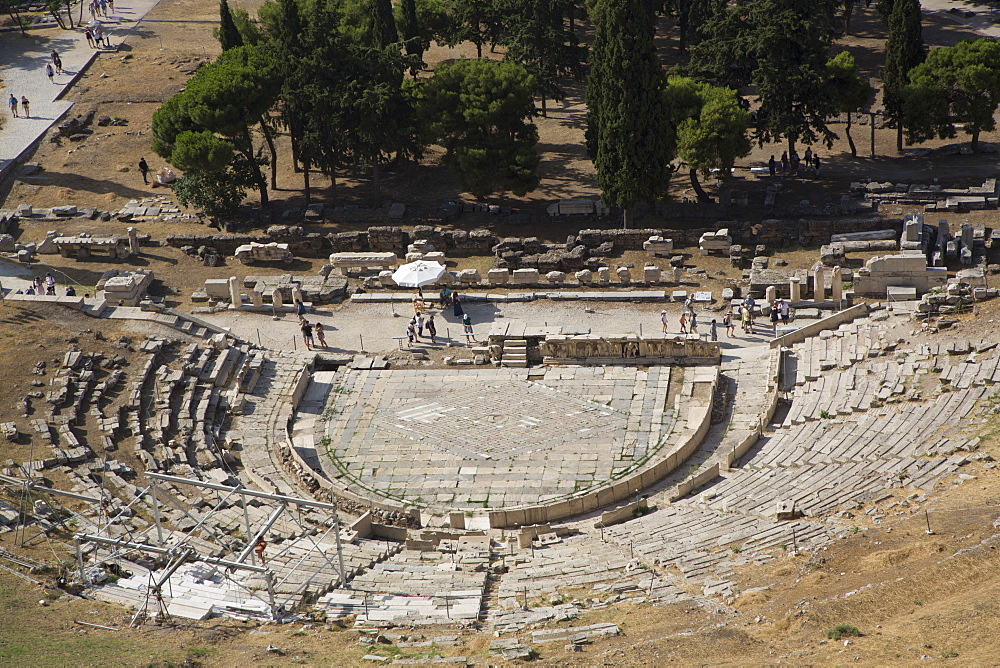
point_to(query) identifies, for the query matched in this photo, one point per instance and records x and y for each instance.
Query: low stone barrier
(830, 322)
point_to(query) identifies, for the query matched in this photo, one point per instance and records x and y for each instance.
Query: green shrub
(841, 630)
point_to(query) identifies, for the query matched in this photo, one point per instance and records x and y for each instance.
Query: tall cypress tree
(383, 24)
(629, 136)
(229, 34)
(904, 50)
(413, 40)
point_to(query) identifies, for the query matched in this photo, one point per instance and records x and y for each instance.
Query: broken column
(133, 240)
(770, 294)
(795, 288)
(819, 285)
(837, 285)
(257, 298)
(234, 292)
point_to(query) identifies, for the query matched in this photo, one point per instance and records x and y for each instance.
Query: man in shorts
(307, 333)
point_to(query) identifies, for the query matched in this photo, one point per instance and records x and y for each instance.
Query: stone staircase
(515, 353)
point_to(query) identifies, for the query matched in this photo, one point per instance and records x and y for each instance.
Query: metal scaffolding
(180, 552)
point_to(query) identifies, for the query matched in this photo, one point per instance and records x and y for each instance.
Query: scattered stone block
(498, 276)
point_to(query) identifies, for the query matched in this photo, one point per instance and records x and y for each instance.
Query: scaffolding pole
(243, 491)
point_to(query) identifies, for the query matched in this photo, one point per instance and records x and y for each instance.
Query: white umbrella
(419, 273)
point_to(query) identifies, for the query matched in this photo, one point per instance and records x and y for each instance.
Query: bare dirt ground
(911, 594)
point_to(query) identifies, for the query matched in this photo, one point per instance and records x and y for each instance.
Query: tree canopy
(478, 110)
(847, 91)
(956, 84)
(711, 127)
(780, 47)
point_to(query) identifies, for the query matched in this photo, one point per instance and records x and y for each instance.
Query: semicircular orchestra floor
(485, 438)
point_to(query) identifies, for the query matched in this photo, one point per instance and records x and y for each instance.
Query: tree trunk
(295, 152)
(791, 148)
(479, 49)
(850, 139)
(377, 174)
(848, 11)
(270, 149)
(703, 197)
(872, 127)
(899, 134)
(305, 180)
(627, 217)
(544, 110)
(16, 15)
(975, 141)
(58, 18)
(247, 151)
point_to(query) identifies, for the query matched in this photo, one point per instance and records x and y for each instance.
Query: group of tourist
(25, 106)
(96, 37)
(419, 324)
(308, 329)
(100, 8)
(744, 312)
(791, 165)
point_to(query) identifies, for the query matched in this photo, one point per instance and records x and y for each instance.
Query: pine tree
(229, 34)
(536, 37)
(383, 24)
(629, 137)
(904, 50)
(779, 46)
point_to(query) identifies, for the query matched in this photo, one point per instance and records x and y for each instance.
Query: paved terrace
(23, 73)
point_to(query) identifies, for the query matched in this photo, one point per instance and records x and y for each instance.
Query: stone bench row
(649, 275)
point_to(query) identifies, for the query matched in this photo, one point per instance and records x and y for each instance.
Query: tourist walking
(783, 308)
(90, 37)
(689, 304)
(300, 308)
(321, 334)
(772, 166)
(746, 320)
(816, 164)
(50, 284)
(411, 334)
(470, 336)
(663, 320)
(420, 324)
(693, 322)
(774, 319)
(307, 334)
(684, 329)
(727, 322)
(784, 162)
(144, 170)
(432, 330)
(57, 62)
(50, 72)
(24, 106)
(12, 101)
(713, 334)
